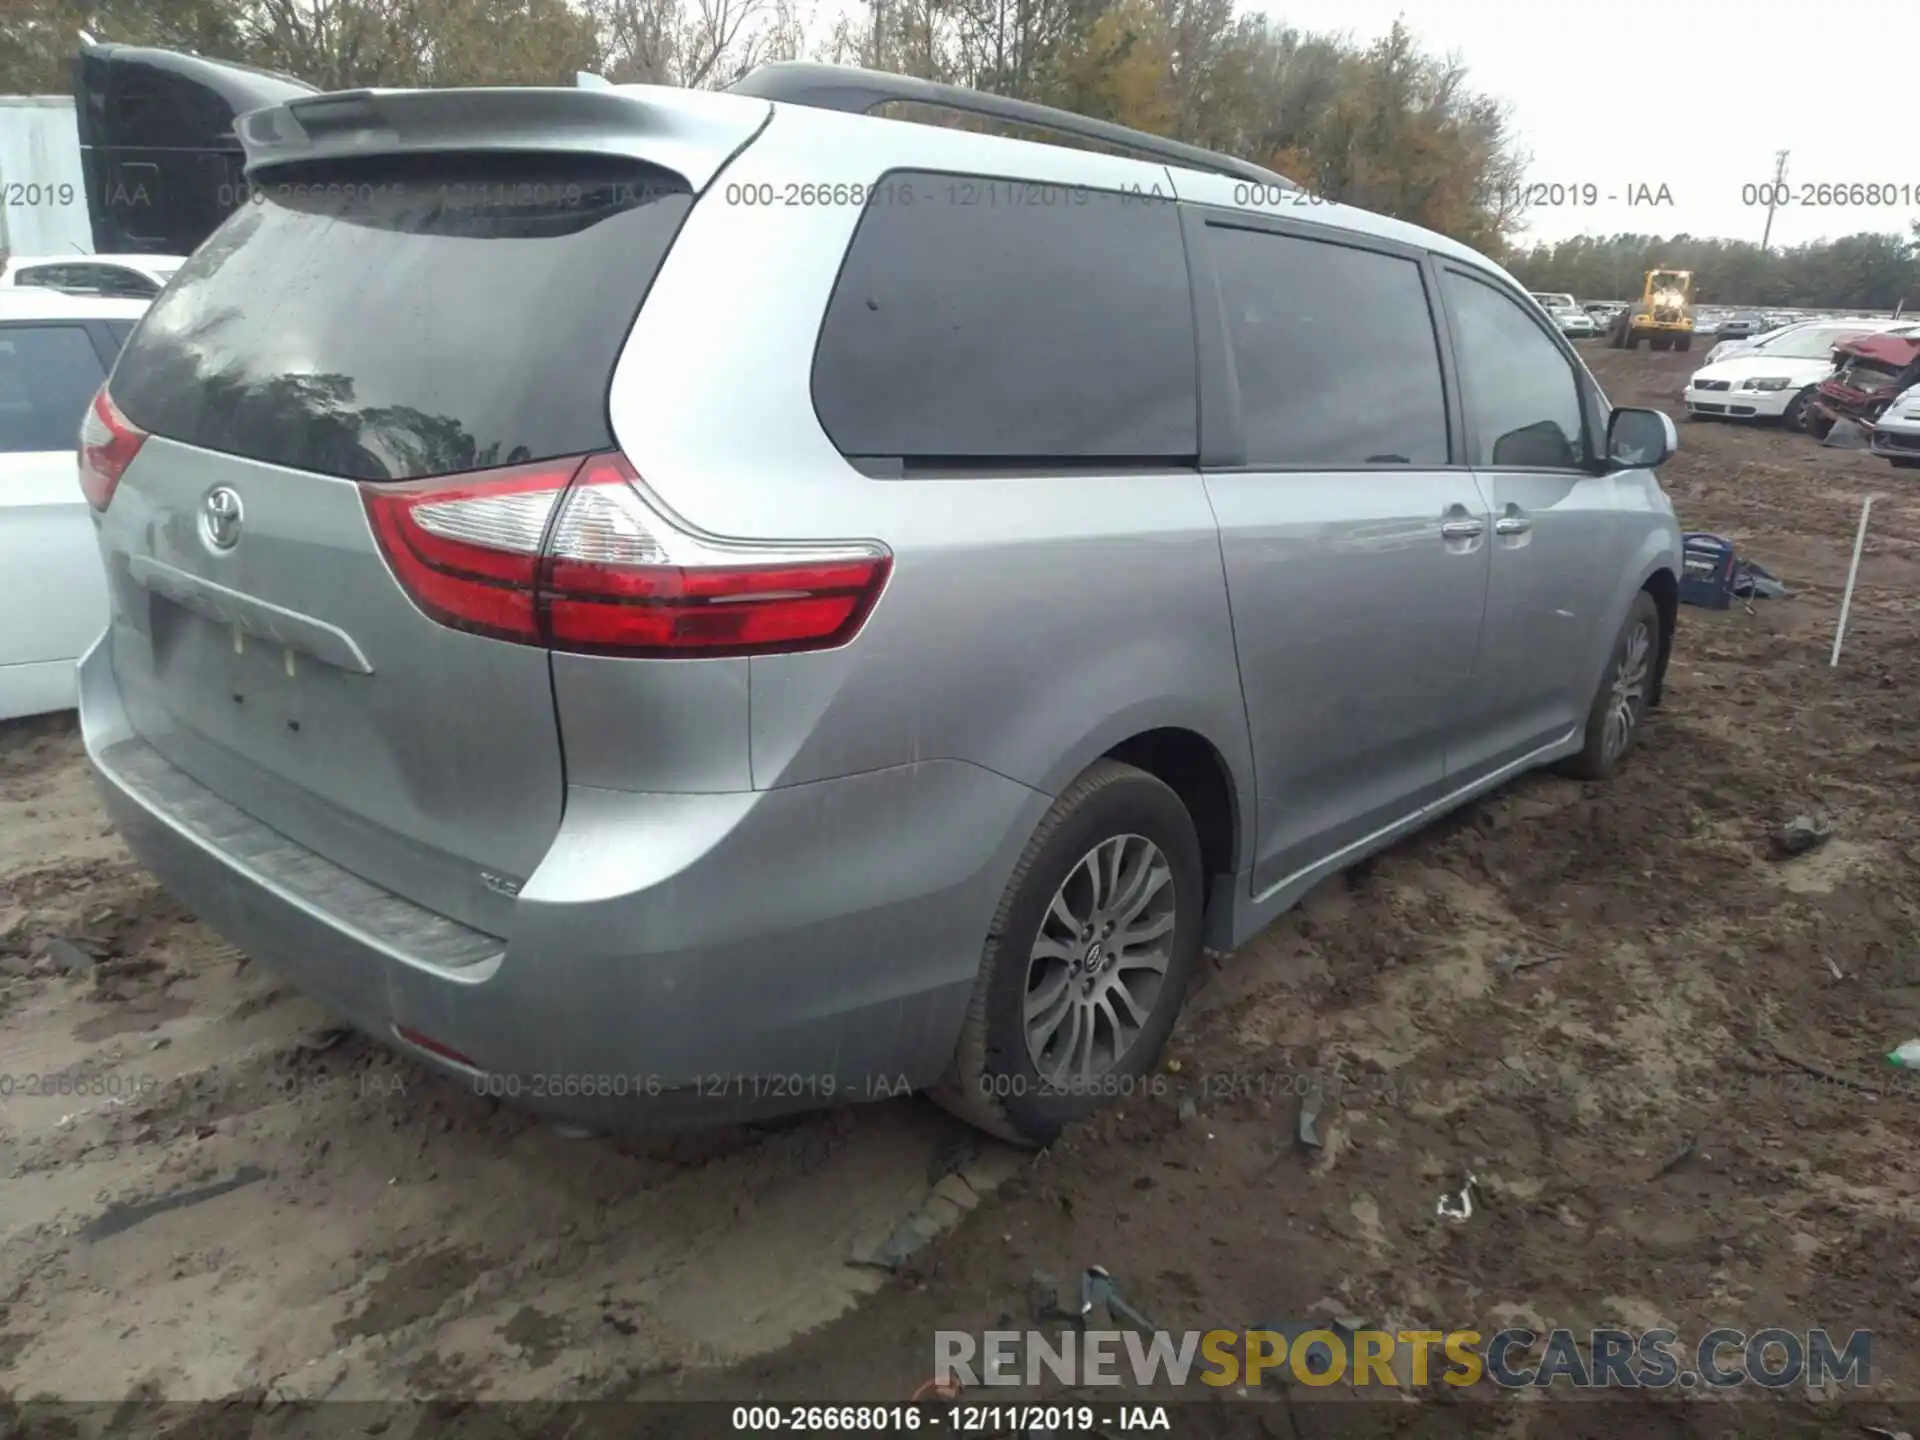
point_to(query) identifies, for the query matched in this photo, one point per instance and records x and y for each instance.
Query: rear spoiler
(693, 133)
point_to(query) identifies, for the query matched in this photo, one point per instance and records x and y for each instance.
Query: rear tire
(1900, 463)
(1630, 340)
(1043, 966)
(1619, 708)
(1683, 342)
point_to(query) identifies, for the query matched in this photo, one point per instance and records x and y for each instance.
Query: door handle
(1512, 525)
(1461, 529)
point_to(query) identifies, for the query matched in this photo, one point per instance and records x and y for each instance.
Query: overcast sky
(1593, 105)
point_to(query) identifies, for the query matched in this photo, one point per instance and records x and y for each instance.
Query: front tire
(1619, 708)
(1794, 417)
(1086, 962)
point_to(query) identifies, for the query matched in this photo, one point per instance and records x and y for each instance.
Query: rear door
(53, 599)
(372, 323)
(1355, 546)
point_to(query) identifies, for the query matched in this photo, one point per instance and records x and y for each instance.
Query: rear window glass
(410, 318)
(994, 322)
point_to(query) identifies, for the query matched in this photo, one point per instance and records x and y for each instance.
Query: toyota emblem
(220, 517)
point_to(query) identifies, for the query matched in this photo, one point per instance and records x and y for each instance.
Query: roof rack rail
(856, 91)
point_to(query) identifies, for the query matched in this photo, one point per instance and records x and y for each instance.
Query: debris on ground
(1907, 1056)
(1686, 1152)
(1309, 1115)
(1799, 835)
(68, 957)
(1510, 964)
(1099, 1291)
(1459, 1205)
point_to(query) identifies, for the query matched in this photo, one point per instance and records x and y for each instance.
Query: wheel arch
(1206, 760)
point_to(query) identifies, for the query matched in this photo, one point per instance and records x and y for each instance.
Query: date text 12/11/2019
(637, 1086)
(958, 1419)
(1555, 195)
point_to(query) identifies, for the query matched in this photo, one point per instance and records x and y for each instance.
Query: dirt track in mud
(385, 1234)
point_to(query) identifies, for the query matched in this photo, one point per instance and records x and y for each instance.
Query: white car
(1862, 324)
(1896, 435)
(124, 277)
(1773, 376)
(55, 350)
(1575, 323)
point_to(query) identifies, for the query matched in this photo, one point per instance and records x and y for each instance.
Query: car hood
(1895, 351)
(1747, 367)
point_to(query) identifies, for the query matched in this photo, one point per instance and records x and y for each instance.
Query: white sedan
(55, 351)
(1896, 436)
(1773, 377)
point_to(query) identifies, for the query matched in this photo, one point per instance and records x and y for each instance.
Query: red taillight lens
(108, 443)
(567, 553)
(468, 550)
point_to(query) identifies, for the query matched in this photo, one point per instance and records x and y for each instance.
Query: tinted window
(992, 321)
(117, 281)
(1335, 352)
(1521, 397)
(120, 330)
(54, 276)
(48, 374)
(424, 317)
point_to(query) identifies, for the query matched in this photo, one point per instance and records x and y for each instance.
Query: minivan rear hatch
(422, 285)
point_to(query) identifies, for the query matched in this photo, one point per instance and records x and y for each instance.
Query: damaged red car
(1869, 371)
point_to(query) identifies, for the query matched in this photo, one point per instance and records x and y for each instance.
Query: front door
(1356, 551)
(1556, 532)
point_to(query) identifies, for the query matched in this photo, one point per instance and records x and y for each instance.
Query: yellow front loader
(1662, 316)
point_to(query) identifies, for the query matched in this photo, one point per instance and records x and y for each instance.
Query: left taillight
(108, 443)
(566, 553)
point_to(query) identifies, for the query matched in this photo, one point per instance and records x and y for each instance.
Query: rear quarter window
(986, 322)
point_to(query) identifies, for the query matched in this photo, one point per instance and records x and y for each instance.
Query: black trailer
(163, 166)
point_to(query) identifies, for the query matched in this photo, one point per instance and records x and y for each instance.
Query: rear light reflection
(108, 443)
(567, 553)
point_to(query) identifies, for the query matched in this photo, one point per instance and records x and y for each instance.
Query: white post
(1853, 574)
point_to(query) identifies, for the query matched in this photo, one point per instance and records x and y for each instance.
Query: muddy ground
(243, 1203)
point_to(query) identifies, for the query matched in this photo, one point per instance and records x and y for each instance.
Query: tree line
(1854, 272)
(1387, 125)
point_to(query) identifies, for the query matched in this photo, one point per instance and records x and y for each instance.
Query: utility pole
(1773, 195)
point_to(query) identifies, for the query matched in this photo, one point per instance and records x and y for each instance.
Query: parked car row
(1811, 374)
(1573, 319)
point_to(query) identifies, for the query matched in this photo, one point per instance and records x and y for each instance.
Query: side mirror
(1640, 439)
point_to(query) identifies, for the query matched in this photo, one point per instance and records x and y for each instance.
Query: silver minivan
(674, 606)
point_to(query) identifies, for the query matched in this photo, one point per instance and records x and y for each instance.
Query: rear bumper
(676, 960)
